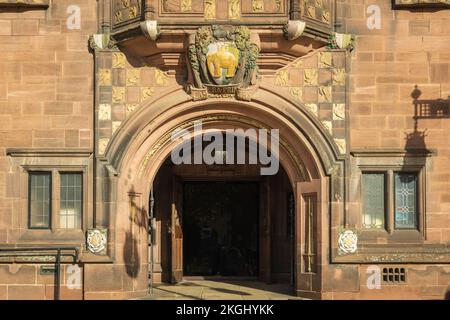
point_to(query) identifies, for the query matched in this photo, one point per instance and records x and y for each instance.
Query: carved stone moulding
(223, 62)
(418, 4)
(125, 13)
(25, 3)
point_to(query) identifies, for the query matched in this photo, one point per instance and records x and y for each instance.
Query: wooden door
(265, 270)
(177, 231)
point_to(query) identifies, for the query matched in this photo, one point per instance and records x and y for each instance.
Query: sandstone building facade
(91, 93)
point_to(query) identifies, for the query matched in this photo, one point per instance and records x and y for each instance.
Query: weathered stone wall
(46, 102)
(393, 69)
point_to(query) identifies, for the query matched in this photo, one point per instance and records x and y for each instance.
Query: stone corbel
(102, 41)
(294, 29)
(24, 3)
(342, 41)
(150, 29)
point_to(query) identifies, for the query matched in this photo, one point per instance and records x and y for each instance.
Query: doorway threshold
(219, 278)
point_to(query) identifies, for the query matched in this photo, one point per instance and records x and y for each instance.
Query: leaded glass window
(374, 204)
(405, 201)
(71, 200)
(39, 205)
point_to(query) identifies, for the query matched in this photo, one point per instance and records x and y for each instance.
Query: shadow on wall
(447, 295)
(424, 109)
(138, 219)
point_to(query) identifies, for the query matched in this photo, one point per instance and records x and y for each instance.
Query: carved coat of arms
(222, 62)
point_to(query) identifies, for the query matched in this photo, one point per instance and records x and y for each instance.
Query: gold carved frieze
(200, 11)
(210, 9)
(234, 9)
(121, 89)
(316, 82)
(124, 11)
(171, 7)
(318, 10)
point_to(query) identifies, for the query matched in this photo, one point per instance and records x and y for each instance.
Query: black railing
(41, 251)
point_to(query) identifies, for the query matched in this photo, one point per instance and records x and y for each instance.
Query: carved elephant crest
(222, 62)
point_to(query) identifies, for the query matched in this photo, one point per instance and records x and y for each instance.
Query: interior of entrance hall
(222, 221)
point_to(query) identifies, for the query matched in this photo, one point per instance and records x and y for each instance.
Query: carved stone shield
(222, 59)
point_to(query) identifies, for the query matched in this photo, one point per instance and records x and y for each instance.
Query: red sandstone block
(17, 138)
(25, 27)
(27, 292)
(5, 27)
(58, 108)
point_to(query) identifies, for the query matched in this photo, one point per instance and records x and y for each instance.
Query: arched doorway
(215, 221)
(310, 160)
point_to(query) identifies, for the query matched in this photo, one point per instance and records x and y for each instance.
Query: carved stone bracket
(150, 29)
(342, 41)
(294, 29)
(102, 41)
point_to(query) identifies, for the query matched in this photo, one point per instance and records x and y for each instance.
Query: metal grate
(394, 275)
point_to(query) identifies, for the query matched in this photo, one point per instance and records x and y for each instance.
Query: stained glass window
(405, 201)
(71, 201)
(39, 200)
(374, 204)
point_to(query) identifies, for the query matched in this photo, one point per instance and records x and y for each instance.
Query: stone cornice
(14, 152)
(25, 3)
(392, 153)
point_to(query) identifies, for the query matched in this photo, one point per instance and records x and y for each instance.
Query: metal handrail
(58, 255)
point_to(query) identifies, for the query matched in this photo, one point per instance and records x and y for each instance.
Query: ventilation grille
(394, 275)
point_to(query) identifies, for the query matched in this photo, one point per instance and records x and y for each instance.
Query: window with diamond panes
(374, 203)
(71, 200)
(405, 201)
(39, 200)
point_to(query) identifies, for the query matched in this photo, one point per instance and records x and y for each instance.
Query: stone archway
(143, 143)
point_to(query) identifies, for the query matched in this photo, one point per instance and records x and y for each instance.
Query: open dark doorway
(220, 223)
